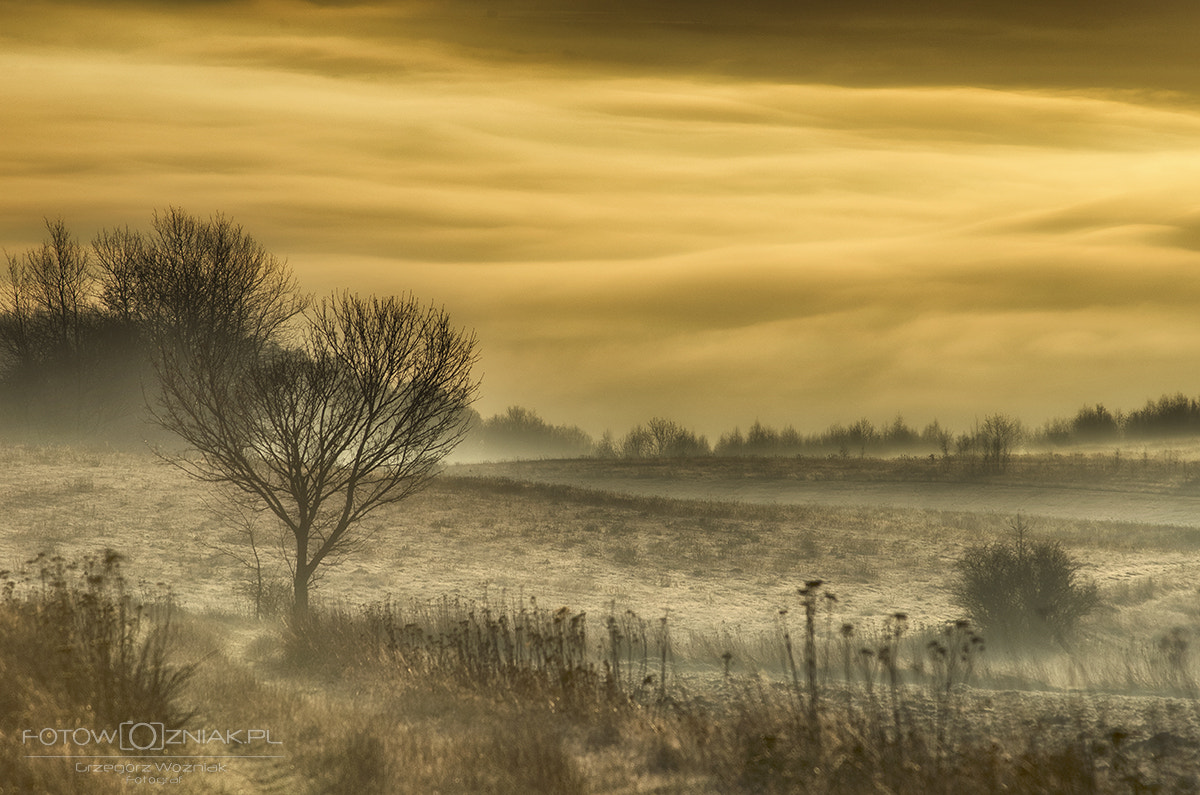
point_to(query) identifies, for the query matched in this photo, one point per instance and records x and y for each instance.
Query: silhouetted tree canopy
(357, 415)
(1170, 415)
(1095, 423)
(79, 325)
(520, 433)
(65, 362)
(663, 438)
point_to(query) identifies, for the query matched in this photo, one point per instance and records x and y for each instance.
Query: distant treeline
(73, 350)
(521, 433)
(76, 320)
(860, 438)
(1170, 416)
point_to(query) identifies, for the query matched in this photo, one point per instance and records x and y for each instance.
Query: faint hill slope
(1091, 489)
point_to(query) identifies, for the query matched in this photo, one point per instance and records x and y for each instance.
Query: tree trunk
(300, 580)
(300, 596)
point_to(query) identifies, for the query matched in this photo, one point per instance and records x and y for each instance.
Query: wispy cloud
(633, 238)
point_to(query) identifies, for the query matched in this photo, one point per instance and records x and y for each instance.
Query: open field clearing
(716, 548)
(1116, 486)
(725, 554)
(723, 557)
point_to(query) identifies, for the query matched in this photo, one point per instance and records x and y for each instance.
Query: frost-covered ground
(719, 549)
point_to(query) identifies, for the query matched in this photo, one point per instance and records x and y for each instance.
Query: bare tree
(48, 360)
(120, 254)
(17, 325)
(997, 438)
(246, 544)
(48, 296)
(80, 330)
(663, 438)
(357, 417)
(192, 279)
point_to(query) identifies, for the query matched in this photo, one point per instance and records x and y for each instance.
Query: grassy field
(673, 647)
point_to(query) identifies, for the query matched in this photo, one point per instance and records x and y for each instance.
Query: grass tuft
(76, 649)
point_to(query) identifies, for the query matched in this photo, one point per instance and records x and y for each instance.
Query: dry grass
(430, 710)
(367, 704)
(79, 651)
(1139, 467)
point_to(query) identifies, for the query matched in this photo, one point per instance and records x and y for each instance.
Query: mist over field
(678, 588)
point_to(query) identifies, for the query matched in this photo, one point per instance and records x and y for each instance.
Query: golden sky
(800, 213)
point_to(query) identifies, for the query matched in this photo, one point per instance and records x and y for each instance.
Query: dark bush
(520, 433)
(1023, 590)
(72, 634)
(77, 650)
(1095, 423)
(1170, 415)
(663, 438)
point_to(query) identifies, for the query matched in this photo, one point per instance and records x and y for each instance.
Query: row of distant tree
(520, 433)
(1170, 416)
(76, 320)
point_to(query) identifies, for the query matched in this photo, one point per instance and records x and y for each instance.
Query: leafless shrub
(75, 646)
(1024, 590)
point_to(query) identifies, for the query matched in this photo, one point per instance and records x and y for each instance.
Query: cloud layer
(632, 236)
